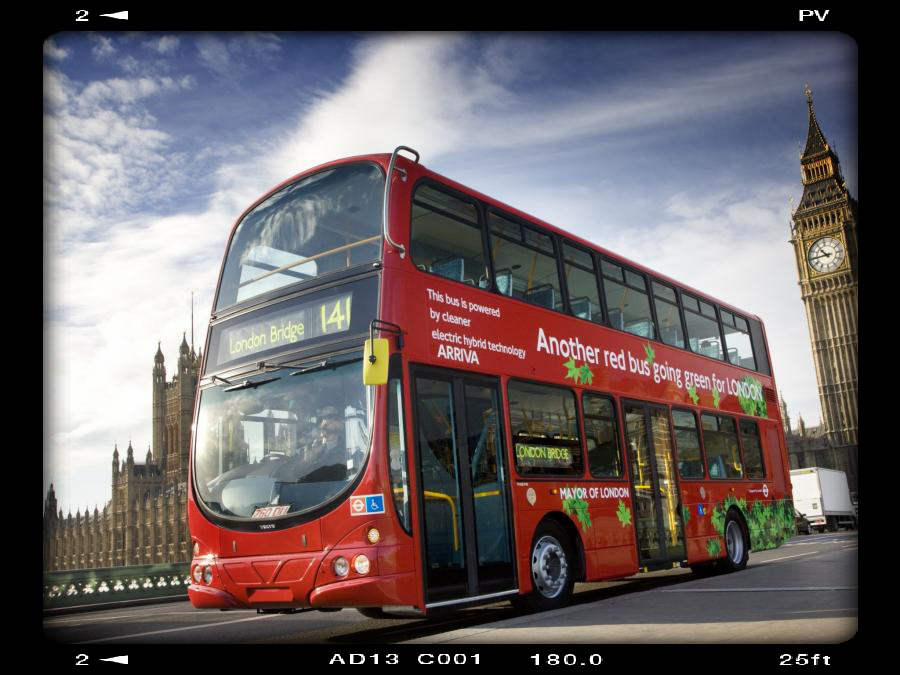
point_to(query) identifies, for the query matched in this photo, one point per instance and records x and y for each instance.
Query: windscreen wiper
(327, 363)
(248, 384)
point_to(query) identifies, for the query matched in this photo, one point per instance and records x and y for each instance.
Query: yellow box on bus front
(375, 371)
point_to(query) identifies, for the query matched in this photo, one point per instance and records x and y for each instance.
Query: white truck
(822, 495)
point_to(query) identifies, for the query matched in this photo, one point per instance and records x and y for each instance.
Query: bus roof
(419, 170)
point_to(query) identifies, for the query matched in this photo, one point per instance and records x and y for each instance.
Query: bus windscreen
(282, 445)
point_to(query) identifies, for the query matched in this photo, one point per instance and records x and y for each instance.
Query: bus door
(464, 498)
(660, 535)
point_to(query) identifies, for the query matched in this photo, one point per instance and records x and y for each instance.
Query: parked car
(803, 525)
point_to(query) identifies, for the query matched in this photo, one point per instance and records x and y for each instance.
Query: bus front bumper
(260, 583)
(204, 597)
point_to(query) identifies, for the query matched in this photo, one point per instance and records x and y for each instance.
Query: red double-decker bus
(416, 397)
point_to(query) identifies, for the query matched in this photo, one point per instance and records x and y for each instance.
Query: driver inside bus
(327, 452)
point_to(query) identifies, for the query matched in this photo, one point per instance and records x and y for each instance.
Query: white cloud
(167, 45)
(232, 58)
(52, 51)
(103, 49)
(103, 153)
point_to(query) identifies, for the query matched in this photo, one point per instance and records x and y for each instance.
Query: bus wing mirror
(375, 361)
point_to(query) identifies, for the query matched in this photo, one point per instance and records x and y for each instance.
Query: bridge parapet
(110, 585)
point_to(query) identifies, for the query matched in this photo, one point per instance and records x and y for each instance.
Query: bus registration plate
(271, 511)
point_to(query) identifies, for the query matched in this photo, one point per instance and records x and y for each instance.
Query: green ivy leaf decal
(581, 374)
(587, 377)
(753, 406)
(572, 371)
(581, 509)
(716, 399)
(713, 547)
(624, 514)
(692, 392)
(651, 355)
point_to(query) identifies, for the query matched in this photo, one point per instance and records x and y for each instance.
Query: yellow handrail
(450, 500)
(440, 495)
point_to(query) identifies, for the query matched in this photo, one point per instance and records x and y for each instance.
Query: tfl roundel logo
(366, 505)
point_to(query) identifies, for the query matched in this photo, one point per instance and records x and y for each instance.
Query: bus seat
(451, 268)
(543, 295)
(644, 328)
(615, 319)
(581, 307)
(504, 281)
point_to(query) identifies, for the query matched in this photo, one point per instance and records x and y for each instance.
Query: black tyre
(552, 570)
(737, 548)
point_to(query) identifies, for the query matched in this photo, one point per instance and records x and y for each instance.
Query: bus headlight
(341, 567)
(361, 564)
(208, 574)
(198, 573)
(373, 535)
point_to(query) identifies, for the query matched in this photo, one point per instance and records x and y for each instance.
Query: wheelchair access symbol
(366, 505)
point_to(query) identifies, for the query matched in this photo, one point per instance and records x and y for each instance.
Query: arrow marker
(118, 659)
(117, 15)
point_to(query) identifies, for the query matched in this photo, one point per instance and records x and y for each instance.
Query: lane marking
(787, 557)
(761, 590)
(88, 620)
(177, 630)
(819, 611)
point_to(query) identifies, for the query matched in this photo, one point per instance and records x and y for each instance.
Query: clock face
(826, 254)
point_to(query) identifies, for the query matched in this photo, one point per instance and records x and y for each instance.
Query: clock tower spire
(824, 236)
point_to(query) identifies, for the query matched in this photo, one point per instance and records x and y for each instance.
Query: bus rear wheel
(737, 551)
(552, 570)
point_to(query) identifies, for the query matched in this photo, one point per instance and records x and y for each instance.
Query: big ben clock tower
(824, 235)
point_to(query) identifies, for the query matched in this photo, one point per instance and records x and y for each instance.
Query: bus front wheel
(552, 570)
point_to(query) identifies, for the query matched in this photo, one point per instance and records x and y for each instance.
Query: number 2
(81, 15)
(81, 660)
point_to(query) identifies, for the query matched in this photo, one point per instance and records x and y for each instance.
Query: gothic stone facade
(145, 522)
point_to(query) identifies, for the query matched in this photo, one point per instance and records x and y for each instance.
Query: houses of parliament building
(145, 522)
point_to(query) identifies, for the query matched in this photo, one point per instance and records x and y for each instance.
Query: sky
(677, 151)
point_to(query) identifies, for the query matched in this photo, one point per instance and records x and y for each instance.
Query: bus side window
(737, 337)
(666, 304)
(581, 280)
(753, 456)
(397, 455)
(544, 426)
(528, 257)
(602, 436)
(627, 300)
(722, 449)
(446, 237)
(687, 444)
(702, 327)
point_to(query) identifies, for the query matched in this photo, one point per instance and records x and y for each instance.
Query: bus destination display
(530, 456)
(297, 324)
